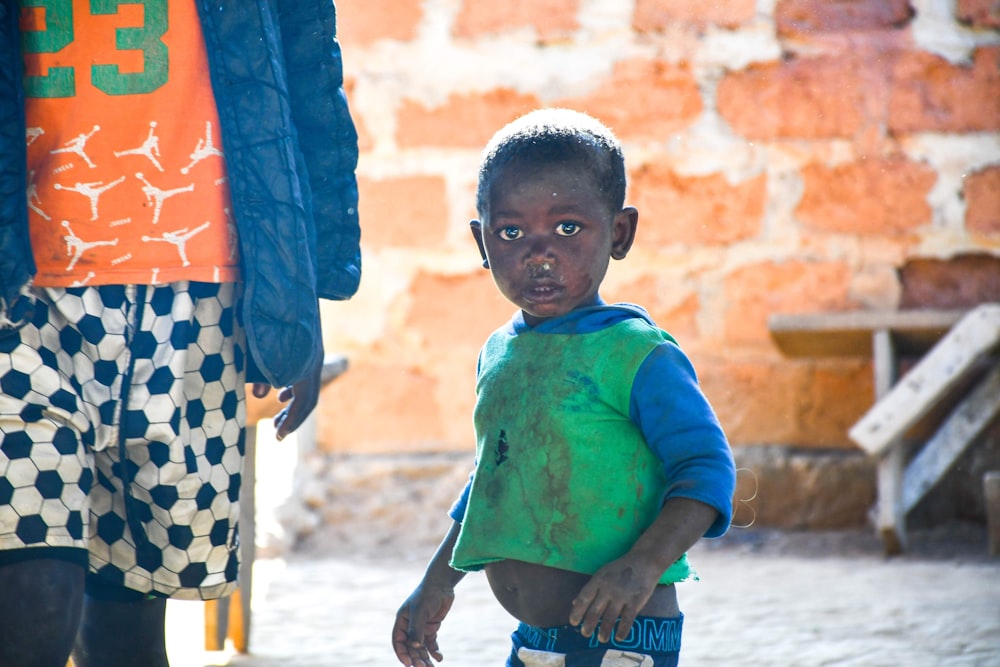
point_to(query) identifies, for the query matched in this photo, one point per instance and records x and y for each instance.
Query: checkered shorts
(122, 420)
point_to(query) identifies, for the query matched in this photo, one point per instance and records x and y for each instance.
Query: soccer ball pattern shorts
(122, 426)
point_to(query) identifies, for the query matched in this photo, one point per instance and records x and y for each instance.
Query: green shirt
(564, 477)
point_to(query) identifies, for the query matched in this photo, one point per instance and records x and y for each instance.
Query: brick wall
(784, 155)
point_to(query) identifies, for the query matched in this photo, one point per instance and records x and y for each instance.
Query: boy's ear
(477, 233)
(623, 231)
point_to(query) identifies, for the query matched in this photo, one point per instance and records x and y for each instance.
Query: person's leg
(40, 606)
(120, 628)
(170, 517)
(46, 425)
(170, 469)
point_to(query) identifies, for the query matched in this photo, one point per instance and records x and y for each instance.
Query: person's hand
(414, 634)
(616, 592)
(302, 397)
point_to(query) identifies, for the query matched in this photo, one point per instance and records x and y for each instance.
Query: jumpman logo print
(33, 200)
(83, 281)
(204, 149)
(31, 135)
(75, 246)
(78, 145)
(150, 147)
(157, 196)
(92, 191)
(179, 239)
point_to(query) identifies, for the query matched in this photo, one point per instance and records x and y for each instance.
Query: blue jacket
(291, 152)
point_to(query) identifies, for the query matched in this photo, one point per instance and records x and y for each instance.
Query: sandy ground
(764, 598)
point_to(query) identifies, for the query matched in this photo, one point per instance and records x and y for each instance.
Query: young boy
(599, 460)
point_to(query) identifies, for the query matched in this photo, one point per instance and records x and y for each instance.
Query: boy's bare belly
(542, 596)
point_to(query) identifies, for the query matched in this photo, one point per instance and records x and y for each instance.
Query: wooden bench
(956, 350)
(884, 335)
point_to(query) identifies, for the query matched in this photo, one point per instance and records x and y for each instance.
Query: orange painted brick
(982, 200)
(695, 210)
(449, 312)
(804, 403)
(757, 291)
(803, 98)
(657, 15)
(835, 394)
(365, 140)
(870, 198)
(979, 13)
(465, 121)
(755, 401)
(403, 212)
(662, 98)
(361, 22)
(370, 392)
(963, 280)
(804, 17)
(552, 19)
(650, 292)
(930, 94)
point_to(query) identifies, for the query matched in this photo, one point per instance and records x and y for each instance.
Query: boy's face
(549, 238)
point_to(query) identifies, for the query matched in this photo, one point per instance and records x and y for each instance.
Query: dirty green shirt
(564, 478)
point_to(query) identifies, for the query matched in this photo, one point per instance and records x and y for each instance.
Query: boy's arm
(414, 634)
(681, 428)
(620, 589)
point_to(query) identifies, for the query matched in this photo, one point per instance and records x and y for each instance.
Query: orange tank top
(126, 177)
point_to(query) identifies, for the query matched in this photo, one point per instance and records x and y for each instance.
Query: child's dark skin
(548, 242)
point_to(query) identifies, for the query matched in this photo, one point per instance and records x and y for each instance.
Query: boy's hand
(302, 396)
(616, 592)
(620, 589)
(414, 635)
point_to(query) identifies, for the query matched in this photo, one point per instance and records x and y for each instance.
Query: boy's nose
(539, 265)
(538, 250)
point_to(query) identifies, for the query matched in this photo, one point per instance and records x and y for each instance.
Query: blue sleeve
(457, 511)
(681, 428)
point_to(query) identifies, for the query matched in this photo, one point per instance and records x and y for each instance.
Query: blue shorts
(122, 418)
(653, 642)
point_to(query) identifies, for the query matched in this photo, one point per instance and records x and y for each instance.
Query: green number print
(58, 33)
(146, 39)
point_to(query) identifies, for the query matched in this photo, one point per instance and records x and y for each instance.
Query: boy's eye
(567, 229)
(509, 233)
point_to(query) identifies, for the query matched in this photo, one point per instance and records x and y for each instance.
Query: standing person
(599, 460)
(177, 191)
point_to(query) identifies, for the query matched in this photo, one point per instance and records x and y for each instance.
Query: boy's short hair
(554, 136)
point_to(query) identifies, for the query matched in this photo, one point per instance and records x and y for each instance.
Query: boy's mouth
(541, 291)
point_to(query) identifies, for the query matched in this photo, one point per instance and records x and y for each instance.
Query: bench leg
(991, 494)
(891, 520)
(216, 622)
(230, 617)
(237, 631)
(248, 545)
